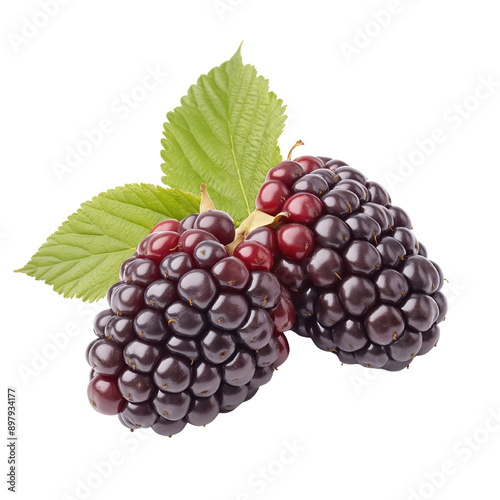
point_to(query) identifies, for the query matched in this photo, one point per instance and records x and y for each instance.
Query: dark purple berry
(105, 357)
(197, 288)
(160, 294)
(228, 311)
(217, 223)
(184, 319)
(141, 356)
(240, 370)
(173, 374)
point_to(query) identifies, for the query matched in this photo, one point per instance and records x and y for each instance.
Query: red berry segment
(303, 208)
(286, 172)
(156, 246)
(283, 315)
(105, 396)
(284, 348)
(166, 225)
(310, 163)
(254, 255)
(295, 241)
(267, 237)
(271, 197)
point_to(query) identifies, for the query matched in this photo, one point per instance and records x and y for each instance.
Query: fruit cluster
(360, 281)
(195, 324)
(191, 331)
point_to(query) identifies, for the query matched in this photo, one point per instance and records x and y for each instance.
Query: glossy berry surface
(166, 225)
(295, 241)
(303, 208)
(217, 223)
(158, 245)
(267, 237)
(190, 332)
(359, 280)
(271, 197)
(310, 163)
(254, 255)
(105, 396)
(286, 172)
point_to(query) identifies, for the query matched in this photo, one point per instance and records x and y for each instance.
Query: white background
(358, 434)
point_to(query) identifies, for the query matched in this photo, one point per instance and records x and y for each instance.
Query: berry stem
(206, 203)
(298, 143)
(256, 219)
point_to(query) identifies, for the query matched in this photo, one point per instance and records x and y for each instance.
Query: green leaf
(225, 134)
(83, 257)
